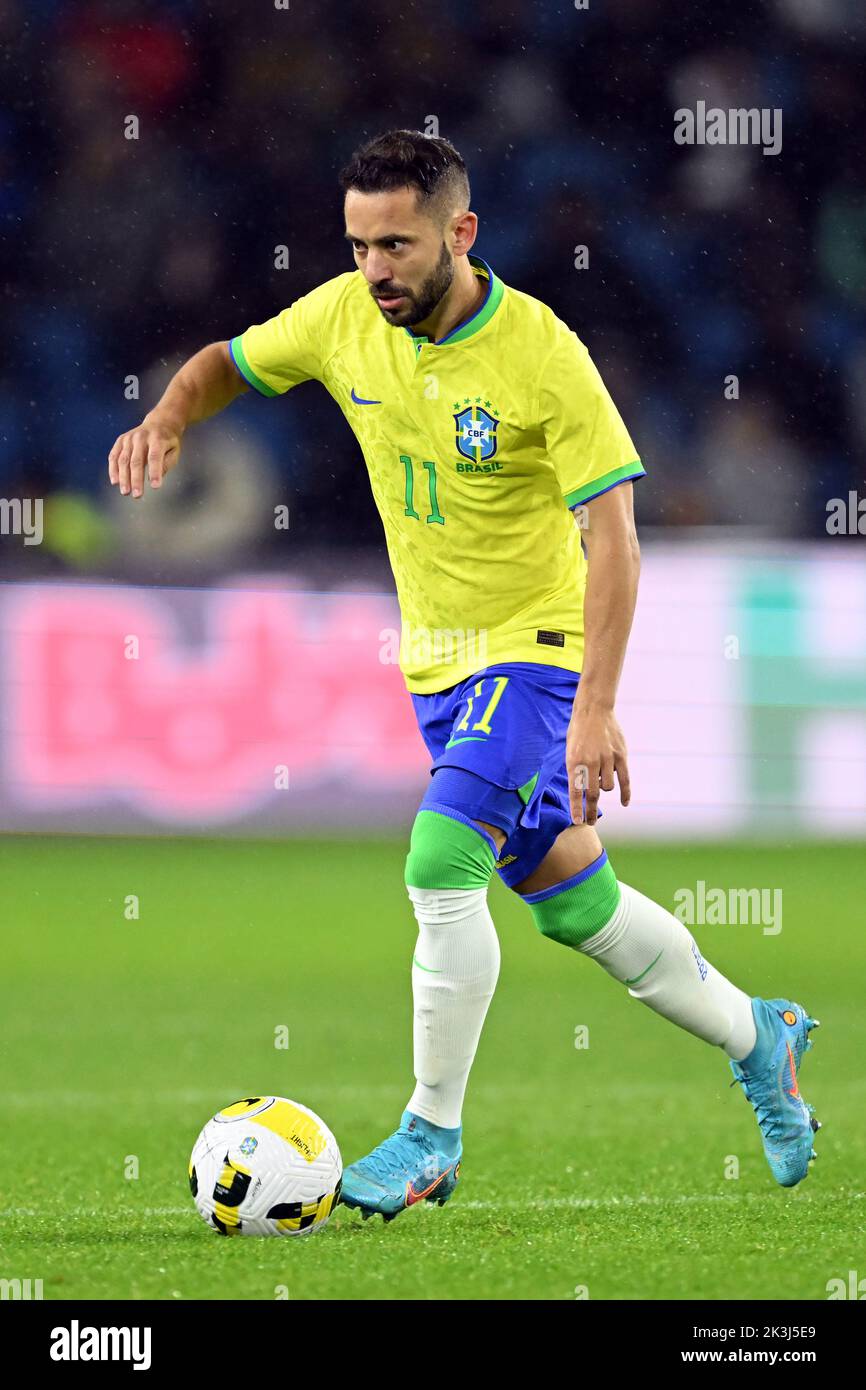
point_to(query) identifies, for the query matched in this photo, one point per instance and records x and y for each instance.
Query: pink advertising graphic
(259, 710)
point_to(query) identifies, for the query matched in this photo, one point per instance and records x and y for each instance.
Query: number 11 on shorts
(499, 683)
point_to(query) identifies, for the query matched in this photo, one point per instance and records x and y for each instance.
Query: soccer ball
(265, 1166)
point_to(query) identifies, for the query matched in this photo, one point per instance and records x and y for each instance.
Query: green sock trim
(447, 853)
(575, 914)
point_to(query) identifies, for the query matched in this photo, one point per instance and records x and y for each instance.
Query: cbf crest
(476, 426)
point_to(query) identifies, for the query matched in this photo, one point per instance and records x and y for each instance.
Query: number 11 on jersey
(435, 516)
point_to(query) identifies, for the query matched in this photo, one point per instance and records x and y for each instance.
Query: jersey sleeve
(286, 350)
(586, 440)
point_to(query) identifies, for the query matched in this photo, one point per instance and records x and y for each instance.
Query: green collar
(483, 314)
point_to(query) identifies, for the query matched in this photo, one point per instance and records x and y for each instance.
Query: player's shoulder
(540, 325)
(331, 296)
(326, 316)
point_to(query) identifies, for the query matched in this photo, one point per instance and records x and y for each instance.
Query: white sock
(454, 972)
(646, 947)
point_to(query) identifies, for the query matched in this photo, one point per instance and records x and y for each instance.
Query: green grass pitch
(600, 1168)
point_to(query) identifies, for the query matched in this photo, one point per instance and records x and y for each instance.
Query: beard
(419, 305)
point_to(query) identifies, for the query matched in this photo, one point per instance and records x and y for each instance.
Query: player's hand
(595, 752)
(149, 451)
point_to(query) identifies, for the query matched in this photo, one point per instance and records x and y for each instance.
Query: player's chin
(400, 317)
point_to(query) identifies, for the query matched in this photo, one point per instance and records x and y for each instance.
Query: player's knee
(448, 851)
(573, 849)
(574, 910)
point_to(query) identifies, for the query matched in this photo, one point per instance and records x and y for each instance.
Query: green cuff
(238, 356)
(588, 491)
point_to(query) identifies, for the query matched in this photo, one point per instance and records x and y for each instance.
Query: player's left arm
(595, 746)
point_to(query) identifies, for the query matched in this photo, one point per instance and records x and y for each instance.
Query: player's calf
(646, 948)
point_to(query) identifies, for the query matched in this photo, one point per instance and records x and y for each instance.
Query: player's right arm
(204, 385)
(596, 464)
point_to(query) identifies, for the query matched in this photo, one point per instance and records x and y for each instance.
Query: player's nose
(377, 269)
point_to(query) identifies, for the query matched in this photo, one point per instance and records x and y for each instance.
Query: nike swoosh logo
(647, 971)
(412, 1196)
(454, 741)
(796, 1089)
(428, 968)
(359, 400)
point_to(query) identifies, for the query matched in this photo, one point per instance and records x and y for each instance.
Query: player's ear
(464, 229)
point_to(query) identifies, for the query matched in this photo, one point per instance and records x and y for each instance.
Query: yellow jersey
(477, 446)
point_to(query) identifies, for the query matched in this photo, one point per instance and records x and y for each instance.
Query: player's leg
(576, 900)
(455, 967)
(455, 964)
(488, 737)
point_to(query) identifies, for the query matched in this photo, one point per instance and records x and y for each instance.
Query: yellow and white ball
(265, 1166)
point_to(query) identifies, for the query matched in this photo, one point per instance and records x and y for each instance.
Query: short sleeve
(281, 353)
(586, 440)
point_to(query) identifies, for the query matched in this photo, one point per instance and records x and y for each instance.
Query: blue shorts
(506, 726)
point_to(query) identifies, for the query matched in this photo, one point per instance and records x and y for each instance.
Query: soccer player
(484, 425)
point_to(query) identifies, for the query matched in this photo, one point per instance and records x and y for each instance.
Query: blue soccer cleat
(769, 1080)
(418, 1163)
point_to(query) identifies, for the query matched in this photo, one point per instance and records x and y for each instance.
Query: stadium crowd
(124, 255)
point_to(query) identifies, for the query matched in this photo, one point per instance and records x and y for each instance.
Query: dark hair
(410, 159)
